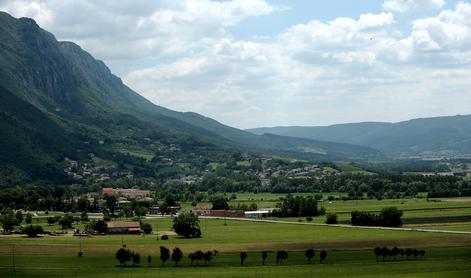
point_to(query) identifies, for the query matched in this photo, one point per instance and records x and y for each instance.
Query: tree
(123, 255)
(136, 258)
(378, 252)
(207, 256)
(264, 257)
(309, 254)
(187, 225)
(395, 251)
(146, 228)
(66, 221)
(32, 230)
(391, 217)
(323, 256)
(281, 256)
(84, 217)
(51, 220)
(243, 256)
(331, 218)
(408, 252)
(28, 218)
(192, 257)
(199, 255)
(164, 254)
(220, 203)
(384, 252)
(83, 204)
(177, 255)
(8, 220)
(19, 217)
(110, 202)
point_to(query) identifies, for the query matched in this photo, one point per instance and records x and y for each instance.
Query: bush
(331, 218)
(146, 228)
(32, 230)
(187, 225)
(164, 237)
(123, 255)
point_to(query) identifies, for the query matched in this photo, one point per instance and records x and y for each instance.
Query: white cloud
(184, 57)
(404, 6)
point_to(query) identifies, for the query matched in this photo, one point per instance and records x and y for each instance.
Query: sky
(252, 63)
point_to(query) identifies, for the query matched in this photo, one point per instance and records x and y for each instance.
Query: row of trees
(283, 255)
(395, 252)
(388, 217)
(297, 206)
(10, 219)
(124, 255)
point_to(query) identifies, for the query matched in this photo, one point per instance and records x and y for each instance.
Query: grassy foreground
(350, 253)
(438, 262)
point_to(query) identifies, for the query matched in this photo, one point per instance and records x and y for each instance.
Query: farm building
(124, 227)
(257, 213)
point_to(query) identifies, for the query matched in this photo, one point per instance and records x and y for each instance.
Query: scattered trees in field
(243, 256)
(146, 228)
(309, 254)
(28, 218)
(281, 256)
(8, 220)
(164, 254)
(264, 257)
(32, 230)
(123, 255)
(389, 217)
(323, 256)
(136, 258)
(84, 217)
(297, 206)
(177, 255)
(395, 252)
(207, 257)
(187, 225)
(66, 221)
(19, 217)
(220, 202)
(331, 218)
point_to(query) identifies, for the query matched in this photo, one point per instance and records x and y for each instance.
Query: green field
(349, 252)
(447, 255)
(438, 262)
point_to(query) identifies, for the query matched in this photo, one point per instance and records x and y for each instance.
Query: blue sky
(250, 63)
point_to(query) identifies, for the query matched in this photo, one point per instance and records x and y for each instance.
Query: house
(227, 213)
(121, 227)
(257, 214)
(126, 192)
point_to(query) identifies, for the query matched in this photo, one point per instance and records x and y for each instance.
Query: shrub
(331, 218)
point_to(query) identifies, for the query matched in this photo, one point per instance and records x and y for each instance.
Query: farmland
(349, 248)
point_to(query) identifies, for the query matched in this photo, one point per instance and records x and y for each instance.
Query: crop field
(349, 248)
(349, 252)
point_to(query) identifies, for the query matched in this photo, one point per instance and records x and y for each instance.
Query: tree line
(393, 253)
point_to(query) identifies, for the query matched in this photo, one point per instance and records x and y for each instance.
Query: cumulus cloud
(181, 54)
(404, 6)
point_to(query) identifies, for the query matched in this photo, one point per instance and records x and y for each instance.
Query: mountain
(59, 101)
(448, 137)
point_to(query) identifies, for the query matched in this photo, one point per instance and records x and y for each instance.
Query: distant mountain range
(446, 137)
(57, 101)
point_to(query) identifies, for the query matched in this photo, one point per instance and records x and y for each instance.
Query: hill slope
(439, 136)
(79, 102)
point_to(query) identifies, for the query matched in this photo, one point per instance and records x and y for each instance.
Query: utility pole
(13, 254)
(80, 243)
